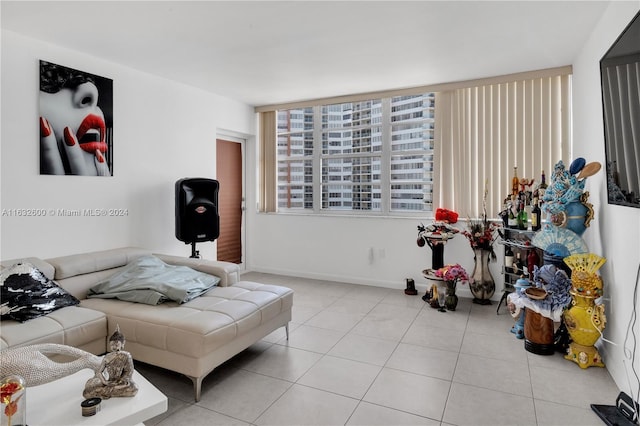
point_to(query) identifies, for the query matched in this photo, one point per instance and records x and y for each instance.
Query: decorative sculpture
(586, 319)
(36, 368)
(113, 377)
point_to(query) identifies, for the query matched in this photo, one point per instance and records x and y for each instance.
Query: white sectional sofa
(191, 338)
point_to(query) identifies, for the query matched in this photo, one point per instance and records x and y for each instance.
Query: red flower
(7, 390)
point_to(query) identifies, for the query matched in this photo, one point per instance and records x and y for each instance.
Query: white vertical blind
(267, 172)
(482, 132)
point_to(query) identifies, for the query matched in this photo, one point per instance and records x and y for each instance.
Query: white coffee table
(58, 403)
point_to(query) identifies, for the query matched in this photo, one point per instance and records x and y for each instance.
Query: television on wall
(620, 80)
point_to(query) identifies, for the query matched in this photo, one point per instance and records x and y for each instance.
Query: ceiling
(265, 52)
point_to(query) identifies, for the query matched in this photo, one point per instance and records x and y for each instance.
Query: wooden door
(230, 200)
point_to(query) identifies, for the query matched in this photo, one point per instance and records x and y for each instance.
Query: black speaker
(197, 216)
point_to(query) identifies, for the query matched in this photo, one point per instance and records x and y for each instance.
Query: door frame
(240, 138)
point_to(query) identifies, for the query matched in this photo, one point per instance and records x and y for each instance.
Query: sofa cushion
(74, 326)
(201, 325)
(86, 263)
(26, 293)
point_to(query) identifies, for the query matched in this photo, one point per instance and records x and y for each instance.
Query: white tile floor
(360, 355)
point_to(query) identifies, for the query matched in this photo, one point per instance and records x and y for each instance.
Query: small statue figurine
(113, 377)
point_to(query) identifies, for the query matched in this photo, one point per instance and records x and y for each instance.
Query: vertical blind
(267, 169)
(482, 132)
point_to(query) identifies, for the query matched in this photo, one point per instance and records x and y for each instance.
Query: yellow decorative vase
(585, 320)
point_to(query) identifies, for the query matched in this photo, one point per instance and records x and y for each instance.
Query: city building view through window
(369, 156)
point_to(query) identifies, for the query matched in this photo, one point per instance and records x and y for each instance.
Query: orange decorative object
(12, 396)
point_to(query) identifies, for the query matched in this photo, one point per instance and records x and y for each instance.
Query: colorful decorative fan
(587, 262)
(585, 280)
(561, 242)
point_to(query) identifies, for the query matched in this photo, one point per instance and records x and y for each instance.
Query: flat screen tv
(620, 78)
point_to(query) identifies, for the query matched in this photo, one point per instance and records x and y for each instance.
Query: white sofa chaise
(191, 338)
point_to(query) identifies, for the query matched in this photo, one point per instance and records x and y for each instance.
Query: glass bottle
(543, 180)
(532, 260)
(543, 185)
(515, 181)
(518, 265)
(508, 259)
(523, 222)
(512, 220)
(535, 216)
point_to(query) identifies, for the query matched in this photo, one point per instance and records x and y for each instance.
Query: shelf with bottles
(522, 218)
(522, 208)
(519, 254)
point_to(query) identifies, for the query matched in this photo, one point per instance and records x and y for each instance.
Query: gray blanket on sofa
(151, 281)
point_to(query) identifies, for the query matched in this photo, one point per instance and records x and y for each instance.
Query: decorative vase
(437, 254)
(14, 401)
(483, 285)
(451, 299)
(576, 216)
(584, 321)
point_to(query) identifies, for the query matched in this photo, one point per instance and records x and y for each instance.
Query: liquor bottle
(512, 219)
(515, 181)
(532, 260)
(508, 259)
(543, 186)
(518, 265)
(536, 213)
(523, 221)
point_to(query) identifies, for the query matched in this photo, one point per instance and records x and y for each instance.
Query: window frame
(385, 156)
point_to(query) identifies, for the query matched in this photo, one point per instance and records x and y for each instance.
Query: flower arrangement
(482, 232)
(452, 273)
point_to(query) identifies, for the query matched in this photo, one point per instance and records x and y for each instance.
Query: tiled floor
(361, 355)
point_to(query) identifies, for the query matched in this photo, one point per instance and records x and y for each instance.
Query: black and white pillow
(26, 293)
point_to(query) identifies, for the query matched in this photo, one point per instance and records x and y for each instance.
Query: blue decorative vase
(576, 217)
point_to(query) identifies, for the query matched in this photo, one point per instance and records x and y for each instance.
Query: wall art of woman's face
(75, 131)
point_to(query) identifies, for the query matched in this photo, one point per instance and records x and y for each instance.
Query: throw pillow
(26, 293)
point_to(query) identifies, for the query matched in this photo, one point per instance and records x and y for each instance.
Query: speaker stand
(195, 254)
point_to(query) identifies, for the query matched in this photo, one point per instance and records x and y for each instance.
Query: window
(414, 150)
(374, 155)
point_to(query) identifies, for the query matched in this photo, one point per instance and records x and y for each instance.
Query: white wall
(163, 131)
(615, 232)
(369, 250)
